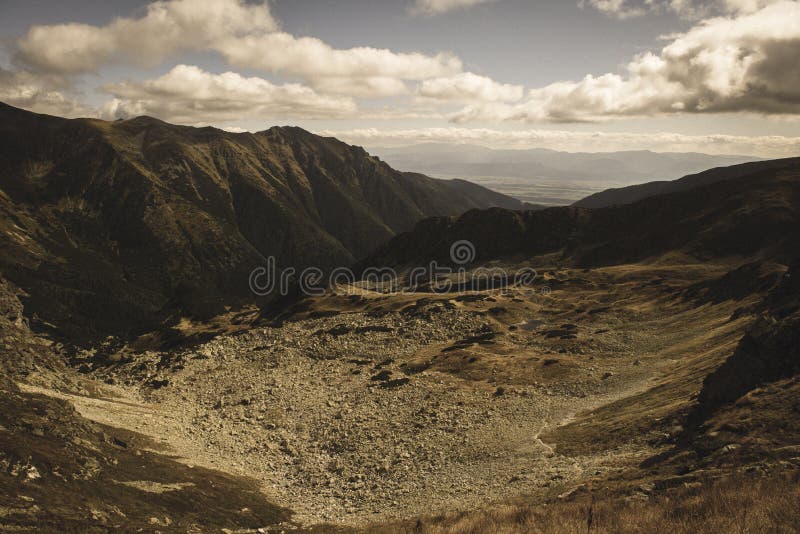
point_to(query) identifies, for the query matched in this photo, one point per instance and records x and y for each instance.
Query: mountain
(548, 176)
(757, 213)
(627, 195)
(113, 226)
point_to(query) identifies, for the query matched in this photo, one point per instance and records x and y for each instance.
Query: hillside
(648, 366)
(755, 214)
(112, 227)
(630, 194)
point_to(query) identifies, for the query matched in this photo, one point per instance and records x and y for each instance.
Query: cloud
(245, 34)
(763, 146)
(436, 7)
(690, 9)
(746, 63)
(167, 27)
(621, 9)
(42, 94)
(360, 71)
(190, 95)
(467, 86)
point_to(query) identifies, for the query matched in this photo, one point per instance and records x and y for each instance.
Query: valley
(367, 407)
(540, 191)
(548, 177)
(400, 267)
(647, 363)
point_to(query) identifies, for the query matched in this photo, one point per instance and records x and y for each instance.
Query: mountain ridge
(547, 176)
(754, 213)
(115, 225)
(630, 194)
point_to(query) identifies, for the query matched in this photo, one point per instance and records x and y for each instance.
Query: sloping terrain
(755, 215)
(632, 193)
(368, 408)
(651, 364)
(60, 472)
(116, 227)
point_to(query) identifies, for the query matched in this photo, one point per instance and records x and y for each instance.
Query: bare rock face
(21, 352)
(770, 351)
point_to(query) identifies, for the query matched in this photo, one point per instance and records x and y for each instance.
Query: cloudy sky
(718, 76)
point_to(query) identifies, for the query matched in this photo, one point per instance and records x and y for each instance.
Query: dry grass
(740, 504)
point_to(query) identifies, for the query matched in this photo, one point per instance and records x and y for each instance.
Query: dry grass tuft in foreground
(736, 505)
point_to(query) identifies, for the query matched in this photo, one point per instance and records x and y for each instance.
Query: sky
(715, 76)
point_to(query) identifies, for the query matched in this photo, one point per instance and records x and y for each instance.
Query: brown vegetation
(736, 504)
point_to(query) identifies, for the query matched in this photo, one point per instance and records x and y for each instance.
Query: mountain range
(747, 210)
(113, 226)
(144, 386)
(632, 193)
(545, 176)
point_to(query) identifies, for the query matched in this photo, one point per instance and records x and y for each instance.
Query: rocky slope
(114, 227)
(768, 353)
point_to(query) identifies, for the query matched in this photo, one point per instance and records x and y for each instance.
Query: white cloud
(467, 86)
(40, 93)
(360, 71)
(190, 95)
(436, 7)
(742, 62)
(764, 146)
(746, 63)
(166, 28)
(621, 9)
(247, 37)
(691, 9)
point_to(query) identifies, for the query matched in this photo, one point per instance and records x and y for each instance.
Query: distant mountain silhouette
(627, 195)
(756, 214)
(112, 226)
(523, 172)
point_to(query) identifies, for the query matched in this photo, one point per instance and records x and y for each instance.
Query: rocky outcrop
(770, 351)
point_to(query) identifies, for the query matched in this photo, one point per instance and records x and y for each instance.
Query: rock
(396, 383)
(383, 375)
(31, 473)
